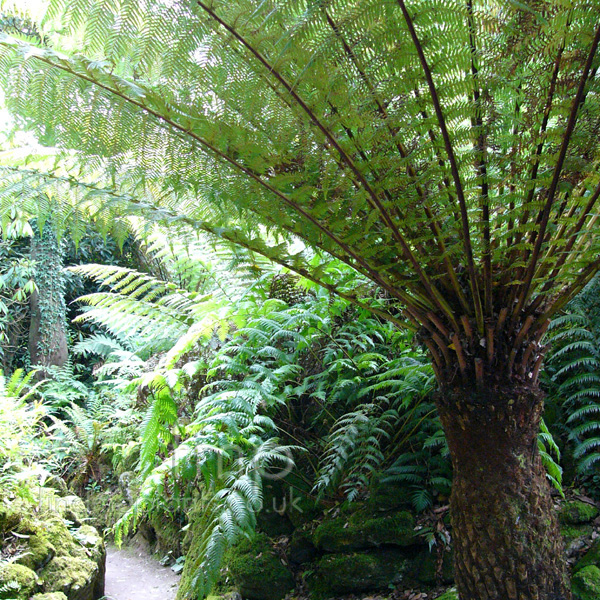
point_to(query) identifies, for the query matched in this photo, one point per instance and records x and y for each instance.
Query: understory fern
(573, 379)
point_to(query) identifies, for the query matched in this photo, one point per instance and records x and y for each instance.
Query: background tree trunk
(507, 544)
(48, 329)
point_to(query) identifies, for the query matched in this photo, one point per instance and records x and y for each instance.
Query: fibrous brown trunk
(507, 545)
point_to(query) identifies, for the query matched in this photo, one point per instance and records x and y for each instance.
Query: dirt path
(133, 575)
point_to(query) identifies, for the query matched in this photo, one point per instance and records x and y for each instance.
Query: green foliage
(573, 377)
(20, 426)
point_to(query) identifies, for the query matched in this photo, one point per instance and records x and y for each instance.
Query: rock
(577, 513)
(258, 573)
(301, 549)
(389, 496)
(20, 580)
(338, 574)
(73, 509)
(362, 532)
(301, 508)
(424, 567)
(575, 537)
(167, 532)
(57, 484)
(585, 584)
(591, 557)
(272, 519)
(39, 551)
(451, 594)
(77, 578)
(50, 596)
(9, 518)
(59, 536)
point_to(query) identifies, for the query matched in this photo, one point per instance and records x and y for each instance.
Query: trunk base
(507, 544)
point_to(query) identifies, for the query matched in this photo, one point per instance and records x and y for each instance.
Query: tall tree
(448, 151)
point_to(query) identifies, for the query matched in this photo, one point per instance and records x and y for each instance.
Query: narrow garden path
(133, 575)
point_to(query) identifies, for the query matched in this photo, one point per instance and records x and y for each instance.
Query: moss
(73, 509)
(57, 484)
(577, 513)
(351, 573)
(257, 571)
(449, 595)
(273, 519)
(585, 584)
(301, 549)
(60, 537)
(572, 535)
(425, 567)
(591, 557)
(361, 531)
(97, 505)
(24, 580)
(50, 596)
(39, 551)
(9, 519)
(91, 540)
(389, 497)
(168, 533)
(117, 507)
(75, 577)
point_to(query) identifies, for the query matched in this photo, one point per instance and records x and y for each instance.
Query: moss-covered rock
(59, 536)
(389, 497)
(357, 572)
(167, 532)
(577, 513)
(40, 551)
(425, 567)
(591, 557)
(9, 518)
(57, 484)
(273, 519)
(301, 548)
(50, 596)
(575, 536)
(72, 508)
(75, 577)
(258, 573)
(585, 584)
(361, 531)
(20, 580)
(449, 595)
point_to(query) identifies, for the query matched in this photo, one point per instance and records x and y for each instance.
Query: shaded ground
(133, 575)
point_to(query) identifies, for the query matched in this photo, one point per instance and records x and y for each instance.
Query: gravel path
(133, 575)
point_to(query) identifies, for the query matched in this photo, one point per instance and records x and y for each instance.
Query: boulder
(575, 537)
(339, 574)
(585, 584)
(272, 519)
(19, 581)
(301, 549)
(425, 567)
(361, 531)
(72, 508)
(451, 594)
(258, 573)
(77, 578)
(591, 557)
(577, 512)
(40, 551)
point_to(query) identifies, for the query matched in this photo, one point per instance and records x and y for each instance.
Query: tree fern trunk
(507, 543)
(48, 329)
